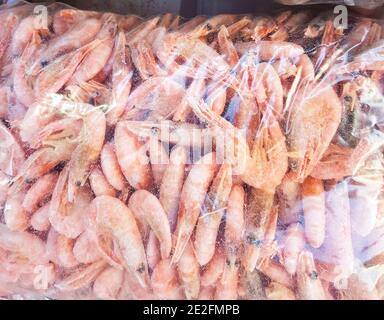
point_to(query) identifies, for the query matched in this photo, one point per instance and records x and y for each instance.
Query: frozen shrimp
(288, 194)
(82, 277)
(99, 184)
(26, 247)
(112, 221)
(76, 37)
(87, 152)
(131, 155)
(84, 249)
(265, 50)
(15, 216)
(153, 214)
(234, 221)
(65, 19)
(5, 181)
(60, 249)
(108, 284)
(66, 217)
(257, 221)
(40, 190)
(55, 75)
(159, 158)
(212, 212)
(40, 218)
(172, 183)
(277, 273)
(189, 272)
(111, 167)
(294, 243)
(12, 154)
(304, 141)
(214, 269)
(227, 47)
(98, 56)
(308, 282)
(24, 33)
(313, 200)
(152, 250)
(227, 286)
(276, 291)
(122, 71)
(165, 282)
(192, 196)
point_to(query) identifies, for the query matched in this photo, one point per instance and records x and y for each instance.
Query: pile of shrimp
(232, 157)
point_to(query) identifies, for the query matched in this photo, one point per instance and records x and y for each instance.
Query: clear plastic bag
(231, 157)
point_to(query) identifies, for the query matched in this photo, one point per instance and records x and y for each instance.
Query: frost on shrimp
(118, 237)
(11, 154)
(312, 124)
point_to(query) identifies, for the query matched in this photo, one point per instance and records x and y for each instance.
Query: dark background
(186, 8)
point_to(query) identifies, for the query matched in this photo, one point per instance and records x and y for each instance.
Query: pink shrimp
(88, 151)
(66, 217)
(24, 33)
(15, 216)
(289, 200)
(294, 244)
(26, 247)
(227, 47)
(98, 56)
(265, 50)
(108, 284)
(191, 198)
(157, 95)
(64, 20)
(4, 94)
(308, 282)
(159, 158)
(234, 222)
(54, 76)
(144, 60)
(99, 184)
(227, 286)
(276, 291)
(40, 218)
(309, 145)
(74, 38)
(112, 221)
(41, 190)
(213, 210)
(111, 167)
(60, 249)
(82, 277)
(22, 78)
(189, 272)
(195, 91)
(131, 156)
(151, 211)
(165, 282)
(122, 72)
(214, 270)
(12, 154)
(10, 23)
(5, 181)
(85, 250)
(152, 251)
(260, 218)
(277, 273)
(313, 199)
(206, 293)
